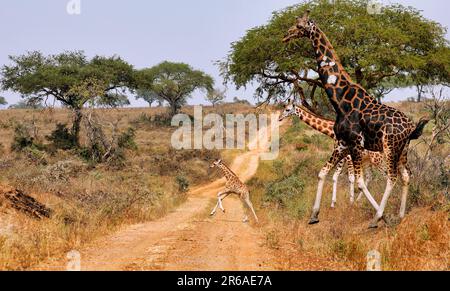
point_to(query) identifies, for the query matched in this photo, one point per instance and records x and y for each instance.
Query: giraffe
(326, 126)
(232, 186)
(361, 123)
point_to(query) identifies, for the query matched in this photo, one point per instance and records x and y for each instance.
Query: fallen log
(27, 204)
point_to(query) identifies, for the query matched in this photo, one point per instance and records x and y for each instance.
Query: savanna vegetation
(142, 179)
(99, 166)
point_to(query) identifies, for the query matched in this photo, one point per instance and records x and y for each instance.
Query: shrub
(61, 138)
(106, 149)
(430, 163)
(160, 120)
(126, 140)
(183, 184)
(22, 138)
(63, 170)
(283, 191)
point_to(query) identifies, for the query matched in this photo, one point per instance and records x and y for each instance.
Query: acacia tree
(148, 96)
(373, 48)
(435, 71)
(174, 83)
(23, 104)
(3, 101)
(37, 77)
(216, 96)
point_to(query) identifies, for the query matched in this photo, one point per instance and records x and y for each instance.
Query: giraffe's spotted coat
(332, 80)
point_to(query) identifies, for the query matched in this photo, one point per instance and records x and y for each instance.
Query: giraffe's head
(303, 27)
(289, 109)
(216, 163)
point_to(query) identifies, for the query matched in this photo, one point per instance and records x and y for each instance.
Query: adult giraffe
(361, 123)
(326, 127)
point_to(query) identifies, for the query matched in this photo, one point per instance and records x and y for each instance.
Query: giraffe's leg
(219, 202)
(405, 174)
(250, 205)
(221, 198)
(357, 163)
(213, 212)
(335, 182)
(351, 178)
(368, 180)
(392, 162)
(339, 153)
(405, 187)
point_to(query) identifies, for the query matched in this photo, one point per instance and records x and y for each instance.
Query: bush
(22, 138)
(62, 171)
(283, 191)
(61, 138)
(429, 164)
(160, 120)
(106, 149)
(183, 184)
(36, 155)
(127, 140)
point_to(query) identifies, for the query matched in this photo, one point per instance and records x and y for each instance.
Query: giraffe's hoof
(333, 205)
(374, 223)
(314, 217)
(313, 221)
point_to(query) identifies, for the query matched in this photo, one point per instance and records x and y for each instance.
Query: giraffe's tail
(417, 133)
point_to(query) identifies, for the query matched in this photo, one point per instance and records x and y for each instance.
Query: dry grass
(90, 200)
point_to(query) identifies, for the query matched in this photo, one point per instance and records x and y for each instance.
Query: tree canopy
(23, 104)
(216, 96)
(149, 96)
(174, 82)
(376, 49)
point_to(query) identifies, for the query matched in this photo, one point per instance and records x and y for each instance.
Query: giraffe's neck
(331, 72)
(318, 123)
(226, 171)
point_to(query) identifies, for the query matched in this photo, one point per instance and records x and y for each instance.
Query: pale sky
(144, 33)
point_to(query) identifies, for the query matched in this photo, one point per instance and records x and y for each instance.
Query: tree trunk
(419, 93)
(173, 109)
(76, 125)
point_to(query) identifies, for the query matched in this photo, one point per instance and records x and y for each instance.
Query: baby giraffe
(232, 186)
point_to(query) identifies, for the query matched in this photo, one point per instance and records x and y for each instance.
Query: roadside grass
(91, 200)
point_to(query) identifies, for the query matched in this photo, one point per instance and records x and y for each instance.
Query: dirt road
(188, 239)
